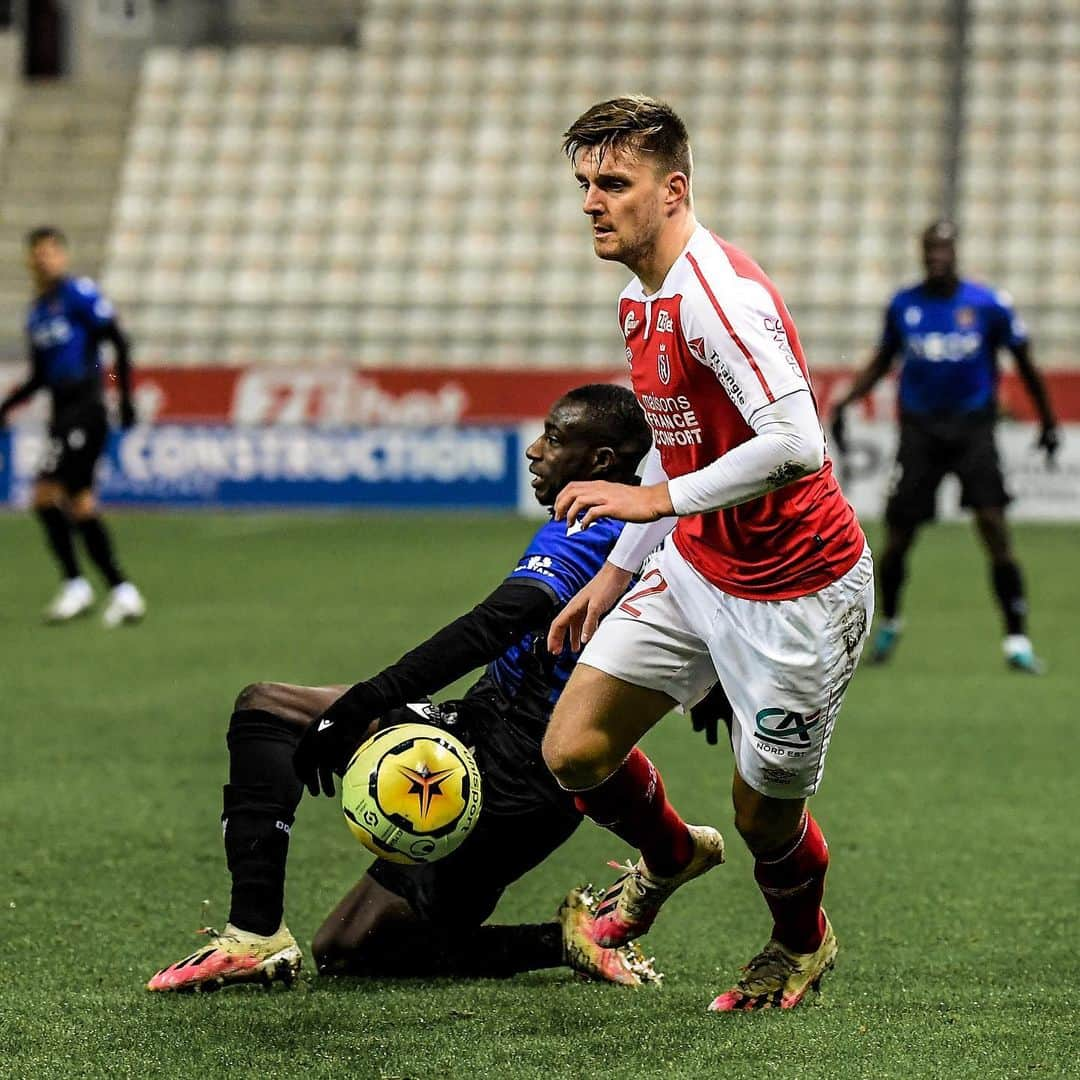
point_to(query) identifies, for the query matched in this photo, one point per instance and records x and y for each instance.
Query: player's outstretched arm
(121, 370)
(865, 381)
(24, 390)
(581, 616)
(475, 639)
(1049, 437)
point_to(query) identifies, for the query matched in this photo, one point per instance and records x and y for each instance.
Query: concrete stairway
(63, 152)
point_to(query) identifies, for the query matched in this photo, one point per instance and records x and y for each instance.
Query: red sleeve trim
(727, 326)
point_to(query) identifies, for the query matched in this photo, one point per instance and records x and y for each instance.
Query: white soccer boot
(75, 597)
(126, 605)
(1020, 656)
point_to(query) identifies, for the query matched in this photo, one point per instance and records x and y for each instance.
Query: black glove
(127, 415)
(1049, 442)
(838, 430)
(709, 711)
(329, 742)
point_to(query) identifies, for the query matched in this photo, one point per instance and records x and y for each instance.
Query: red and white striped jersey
(710, 348)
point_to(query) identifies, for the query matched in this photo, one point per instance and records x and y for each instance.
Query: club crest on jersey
(663, 368)
(697, 347)
(630, 323)
(965, 317)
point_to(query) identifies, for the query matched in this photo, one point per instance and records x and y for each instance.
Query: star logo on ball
(425, 784)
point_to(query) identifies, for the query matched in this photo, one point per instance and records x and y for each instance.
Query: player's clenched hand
(1049, 442)
(580, 618)
(328, 743)
(585, 501)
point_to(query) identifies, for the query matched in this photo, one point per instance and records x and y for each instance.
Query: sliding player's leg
(429, 920)
(260, 802)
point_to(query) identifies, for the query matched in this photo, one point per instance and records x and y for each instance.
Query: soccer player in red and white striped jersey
(762, 590)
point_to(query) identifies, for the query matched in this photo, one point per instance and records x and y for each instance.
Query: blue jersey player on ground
(67, 324)
(948, 332)
(428, 920)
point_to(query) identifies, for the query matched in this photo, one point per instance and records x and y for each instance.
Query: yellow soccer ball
(411, 793)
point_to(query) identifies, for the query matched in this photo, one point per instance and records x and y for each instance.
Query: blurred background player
(426, 920)
(948, 331)
(67, 324)
(763, 582)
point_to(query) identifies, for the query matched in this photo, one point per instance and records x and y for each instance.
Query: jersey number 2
(650, 590)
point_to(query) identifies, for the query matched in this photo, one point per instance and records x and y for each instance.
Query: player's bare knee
(47, 495)
(756, 834)
(768, 824)
(84, 506)
(255, 696)
(339, 946)
(577, 764)
(327, 949)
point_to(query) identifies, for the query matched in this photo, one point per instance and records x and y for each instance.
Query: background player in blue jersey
(426, 920)
(68, 322)
(948, 332)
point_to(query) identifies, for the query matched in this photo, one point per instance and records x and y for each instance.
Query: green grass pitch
(949, 802)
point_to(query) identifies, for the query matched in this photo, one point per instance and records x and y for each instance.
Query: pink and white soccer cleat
(631, 904)
(778, 978)
(233, 956)
(626, 966)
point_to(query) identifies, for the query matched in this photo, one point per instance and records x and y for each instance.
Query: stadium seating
(63, 148)
(7, 96)
(1019, 197)
(406, 202)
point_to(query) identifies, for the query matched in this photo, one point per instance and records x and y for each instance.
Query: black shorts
(930, 448)
(72, 452)
(525, 816)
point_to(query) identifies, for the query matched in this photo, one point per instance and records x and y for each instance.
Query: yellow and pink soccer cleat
(231, 957)
(778, 978)
(631, 904)
(626, 966)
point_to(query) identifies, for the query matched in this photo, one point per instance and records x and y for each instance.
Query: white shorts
(784, 664)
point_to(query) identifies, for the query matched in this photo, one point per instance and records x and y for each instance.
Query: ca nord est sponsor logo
(788, 730)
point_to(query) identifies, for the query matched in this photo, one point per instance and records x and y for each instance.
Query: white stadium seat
(408, 201)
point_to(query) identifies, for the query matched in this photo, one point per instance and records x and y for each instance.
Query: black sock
(891, 578)
(58, 533)
(484, 952)
(1009, 587)
(99, 548)
(260, 802)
